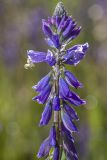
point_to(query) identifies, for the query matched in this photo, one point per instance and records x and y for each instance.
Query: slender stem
(57, 114)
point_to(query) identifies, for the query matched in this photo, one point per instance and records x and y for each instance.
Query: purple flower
(70, 111)
(42, 83)
(36, 57)
(44, 148)
(74, 99)
(56, 153)
(63, 88)
(56, 103)
(53, 136)
(46, 115)
(44, 94)
(69, 147)
(47, 29)
(50, 58)
(71, 79)
(75, 54)
(67, 132)
(68, 122)
(66, 94)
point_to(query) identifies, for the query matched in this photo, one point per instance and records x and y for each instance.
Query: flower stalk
(54, 89)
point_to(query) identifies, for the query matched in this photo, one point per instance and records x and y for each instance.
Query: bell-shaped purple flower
(65, 131)
(46, 115)
(74, 99)
(42, 83)
(70, 111)
(36, 57)
(63, 88)
(69, 147)
(72, 80)
(72, 34)
(44, 148)
(50, 58)
(53, 136)
(44, 94)
(56, 153)
(56, 103)
(46, 29)
(68, 122)
(75, 54)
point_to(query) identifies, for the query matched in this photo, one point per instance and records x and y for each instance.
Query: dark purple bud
(50, 58)
(58, 20)
(74, 99)
(56, 103)
(42, 83)
(75, 54)
(63, 88)
(56, 41)
(46, 29)
(65, 131)
(69, 28)
(56, 153)
(68, 122)
(53, 136)
(69, 147)
(70, 111)
(46, 115)
(72, 80)
(61, 24)
(36, 57)
(44, 148)
(44, 94)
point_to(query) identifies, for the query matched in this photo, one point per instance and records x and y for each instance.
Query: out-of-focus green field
(20, 30)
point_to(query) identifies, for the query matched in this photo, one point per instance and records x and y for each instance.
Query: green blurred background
(20, 30)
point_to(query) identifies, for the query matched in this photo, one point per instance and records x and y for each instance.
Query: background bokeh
(20, 30)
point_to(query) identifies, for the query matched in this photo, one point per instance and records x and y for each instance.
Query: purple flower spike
(36, 57)
(44, 148)
(46, 115)
(42, 83)
(71, 79)
(56, 103)
(53, 136)
(56, 154)
(70, 111)
(68, 122)
(44, 94)
(55, 88)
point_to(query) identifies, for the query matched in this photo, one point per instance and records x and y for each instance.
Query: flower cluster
(54, 90)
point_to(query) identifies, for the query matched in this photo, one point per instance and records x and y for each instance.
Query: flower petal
(53, 136)
(46, 115)
(72, 80)
(70, 111)
(42, 83)
(44, 94)
(44, 148)
(50, 58)
(68, 122)
(75, 54)
(36, 57)
(46, 29)
(56, 153)
(56, 103)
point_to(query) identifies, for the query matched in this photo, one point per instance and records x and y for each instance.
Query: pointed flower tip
(59, 10)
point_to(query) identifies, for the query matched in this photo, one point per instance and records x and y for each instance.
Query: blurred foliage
(20, 30)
